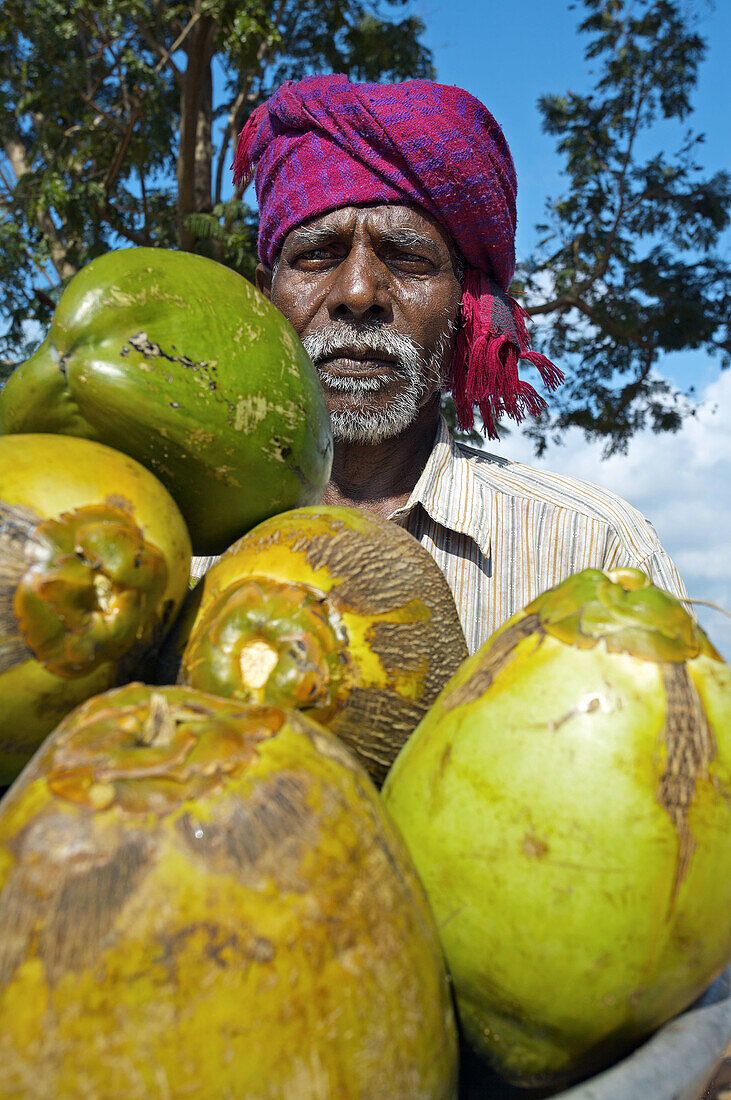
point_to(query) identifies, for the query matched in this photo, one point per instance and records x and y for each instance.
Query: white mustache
(350, 384)
(363, 341)
(365, 423)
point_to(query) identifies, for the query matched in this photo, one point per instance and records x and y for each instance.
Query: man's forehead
(377, 218)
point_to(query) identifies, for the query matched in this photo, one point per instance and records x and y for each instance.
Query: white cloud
(681, 482)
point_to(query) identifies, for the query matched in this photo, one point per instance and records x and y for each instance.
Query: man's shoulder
(559, 515)
(507, 477)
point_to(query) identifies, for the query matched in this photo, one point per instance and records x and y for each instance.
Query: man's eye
(315, 254)
(410, 260)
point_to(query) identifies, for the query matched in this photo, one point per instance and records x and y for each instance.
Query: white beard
(364, 424)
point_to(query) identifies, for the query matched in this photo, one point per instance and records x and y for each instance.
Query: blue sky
(507, 55)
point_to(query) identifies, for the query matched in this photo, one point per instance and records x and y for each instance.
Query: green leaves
(118, 120)
(627, 270)
(228, 234)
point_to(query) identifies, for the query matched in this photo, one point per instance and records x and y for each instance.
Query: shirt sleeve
(655, 562)
(200, 566)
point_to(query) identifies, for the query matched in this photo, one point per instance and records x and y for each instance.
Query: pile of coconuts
(279, 836)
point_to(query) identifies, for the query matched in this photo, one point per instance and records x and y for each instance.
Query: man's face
(373, 294)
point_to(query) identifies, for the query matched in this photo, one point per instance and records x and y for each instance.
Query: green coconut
(567, 802)
(182, 364)
(200, 898)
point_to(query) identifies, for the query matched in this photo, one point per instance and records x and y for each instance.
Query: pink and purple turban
(323, 142)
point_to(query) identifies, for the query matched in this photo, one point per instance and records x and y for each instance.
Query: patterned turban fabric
(321, 143)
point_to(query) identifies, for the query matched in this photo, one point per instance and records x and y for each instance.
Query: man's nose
(360, 288)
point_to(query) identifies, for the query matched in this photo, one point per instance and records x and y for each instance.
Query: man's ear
(264, 280)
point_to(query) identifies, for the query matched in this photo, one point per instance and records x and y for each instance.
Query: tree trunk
(203, 167)
(196, 110)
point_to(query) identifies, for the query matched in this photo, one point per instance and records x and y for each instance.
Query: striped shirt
(502, 533)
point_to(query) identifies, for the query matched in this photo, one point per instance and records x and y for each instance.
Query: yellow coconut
(336, 612)
(94, 563)
(201, 898)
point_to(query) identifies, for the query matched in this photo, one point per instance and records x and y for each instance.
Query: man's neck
(379, 477)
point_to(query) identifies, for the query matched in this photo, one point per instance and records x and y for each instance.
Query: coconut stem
(76, 590)
(274, 643)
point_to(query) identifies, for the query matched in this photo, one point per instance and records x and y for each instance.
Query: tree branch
(164, 54)
(39, 266)
(232, 125)
(237, 107)
(630, 391)
(6, 184)
(166, 58)
(116, 166)
(556, 305)
(622, 180)
(109, 211)
(571, 300)
(15, 151)
(145, 206)
(43, 298)
(101, 113)
(567, 301)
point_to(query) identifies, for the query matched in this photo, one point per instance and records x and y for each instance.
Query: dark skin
(386, 264)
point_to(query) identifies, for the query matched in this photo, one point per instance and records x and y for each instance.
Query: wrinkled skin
(357, 266)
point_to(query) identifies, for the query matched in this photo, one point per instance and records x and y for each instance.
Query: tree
(628, 269)
(118, 120)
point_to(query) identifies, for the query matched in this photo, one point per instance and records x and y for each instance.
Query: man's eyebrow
(312, 236)
(409, 238)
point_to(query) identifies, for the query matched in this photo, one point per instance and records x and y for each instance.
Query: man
(386, 238)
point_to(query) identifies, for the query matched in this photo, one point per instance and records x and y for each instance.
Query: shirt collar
(450, 493)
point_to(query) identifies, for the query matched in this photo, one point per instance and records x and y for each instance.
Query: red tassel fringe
(485, 364)
(243, 165)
